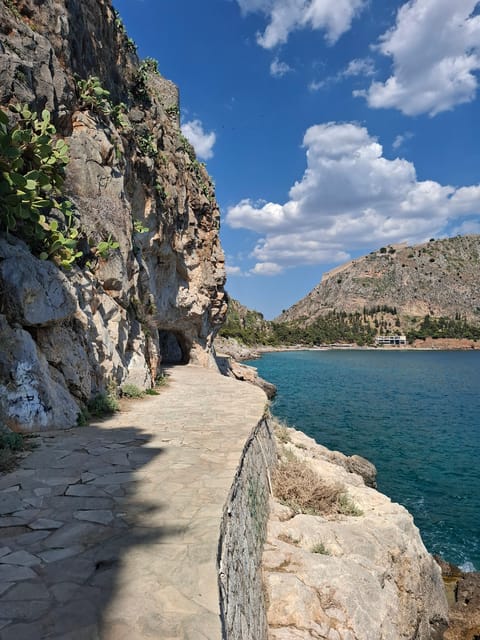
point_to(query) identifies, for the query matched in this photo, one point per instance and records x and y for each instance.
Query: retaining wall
(242, 536)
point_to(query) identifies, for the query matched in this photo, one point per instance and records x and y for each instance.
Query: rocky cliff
(438, 278)
(341, 561)
(145, 283)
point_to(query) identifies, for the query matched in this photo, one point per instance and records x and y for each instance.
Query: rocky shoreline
(307, 558)
(289, 559)
(325, 564)
(238, 351)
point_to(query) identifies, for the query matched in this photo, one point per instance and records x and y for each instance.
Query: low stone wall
(242, 535)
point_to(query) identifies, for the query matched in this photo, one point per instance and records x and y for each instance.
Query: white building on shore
(391, 341)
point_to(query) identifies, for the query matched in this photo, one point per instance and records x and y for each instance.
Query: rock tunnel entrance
(173, 347)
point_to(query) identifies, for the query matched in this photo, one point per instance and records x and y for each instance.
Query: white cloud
(278, 69)
(360, 67)
(232, 270)
(285, 16)
(267, 269)
(357, 67)
(401, 139)
(201, 140)
(350, 198)
(467, 227)
(435, 47)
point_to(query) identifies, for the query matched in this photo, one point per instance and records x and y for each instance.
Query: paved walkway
(110, 532)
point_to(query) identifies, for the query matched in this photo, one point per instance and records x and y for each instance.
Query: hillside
(396, 287)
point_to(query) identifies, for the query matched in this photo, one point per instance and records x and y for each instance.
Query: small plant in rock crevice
(282, 432)
(147, 145)
(320, 548)
(106, 247)
(347, 507)
(139, 227)
(93, 96)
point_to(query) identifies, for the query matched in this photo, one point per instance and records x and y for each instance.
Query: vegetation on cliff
(106, 216)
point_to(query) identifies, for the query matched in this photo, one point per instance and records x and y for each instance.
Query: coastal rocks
(465, 614)
(234, 349)
(463, 593)
(359, 572)
(250, 374)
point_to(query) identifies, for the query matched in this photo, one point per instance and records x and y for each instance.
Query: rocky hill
(110, 260)
(244, 324)
(399, 285)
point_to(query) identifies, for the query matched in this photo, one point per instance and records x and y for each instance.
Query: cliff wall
(147, 285)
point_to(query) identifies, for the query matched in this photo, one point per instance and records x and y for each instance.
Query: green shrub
(151, 392)
(12, 441)
(119, 117)
(93, 96)
(83, 417)
(132, 391)
(172, 111)
(103, 404)
(10, 444)
(319, 547)
(149, 65)
(161, 380)
(148, 145)
(32, 167)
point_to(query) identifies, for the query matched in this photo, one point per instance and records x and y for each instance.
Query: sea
(414, 414)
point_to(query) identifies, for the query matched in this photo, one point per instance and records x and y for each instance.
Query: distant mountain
(397, 286)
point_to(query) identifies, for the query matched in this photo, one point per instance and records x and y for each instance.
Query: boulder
(35, 292)
(31, 399)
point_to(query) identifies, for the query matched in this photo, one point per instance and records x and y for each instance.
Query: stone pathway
(110, 532)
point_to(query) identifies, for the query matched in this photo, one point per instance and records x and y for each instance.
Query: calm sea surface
(414, 414)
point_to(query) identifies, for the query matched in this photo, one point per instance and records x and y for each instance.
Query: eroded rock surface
(360, 575)
(159, 296)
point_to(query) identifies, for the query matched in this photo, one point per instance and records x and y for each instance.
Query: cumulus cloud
(285, 16)
(202, 141)
(435, 48)
(278, 69)
(350, 198)
(267, 269)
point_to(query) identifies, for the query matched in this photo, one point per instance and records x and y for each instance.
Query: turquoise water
(414, 414)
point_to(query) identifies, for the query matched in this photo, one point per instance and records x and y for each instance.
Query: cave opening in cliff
(173, 347)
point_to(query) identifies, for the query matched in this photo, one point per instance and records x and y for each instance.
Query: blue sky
(331, 127)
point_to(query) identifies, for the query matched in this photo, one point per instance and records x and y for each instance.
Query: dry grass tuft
(296, 485)
(282, 433)
(300, 488)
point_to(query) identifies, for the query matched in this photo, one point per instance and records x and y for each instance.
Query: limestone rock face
(34, 293)
(349, 577)
(159, 296)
